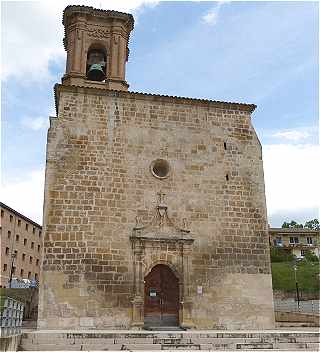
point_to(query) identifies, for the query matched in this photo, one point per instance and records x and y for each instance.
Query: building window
(15, 253)
(25, 241)
(5, 267)
(29, 274)
(309, 240)
(278, 242)
(19, 222)
(33, 230)
(39, 233)
(21, 273)
(37, 262)
(27, 227)
(2, 213)
(32, 245)
(9, 234)
(7, 250)
(17, 238)
(38, 247)
(14, 270)
(294, 240)
(23, 256)
(36, 276)
(11, 218)
(30, 260)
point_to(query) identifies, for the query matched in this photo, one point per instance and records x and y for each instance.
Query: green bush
(311, 257)
(278, 255)
(307, 274)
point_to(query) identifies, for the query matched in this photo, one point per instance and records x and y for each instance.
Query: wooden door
(161, 297)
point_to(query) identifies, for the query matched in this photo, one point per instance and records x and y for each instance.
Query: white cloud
(211, 17)
(25, 194)
(32, 34)
(292, 174)
(36, 123)
(292, 135)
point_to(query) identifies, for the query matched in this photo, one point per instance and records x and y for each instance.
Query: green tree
(292, 224)
(312, 224)
(310, 257)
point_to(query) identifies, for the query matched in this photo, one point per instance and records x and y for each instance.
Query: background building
(21, 246)
(297, 241)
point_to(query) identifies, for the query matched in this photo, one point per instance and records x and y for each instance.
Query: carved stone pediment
(161, 228)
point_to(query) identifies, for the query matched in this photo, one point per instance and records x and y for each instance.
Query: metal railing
(303, 307)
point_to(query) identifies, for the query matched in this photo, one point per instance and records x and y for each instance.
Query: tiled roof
(292, 230)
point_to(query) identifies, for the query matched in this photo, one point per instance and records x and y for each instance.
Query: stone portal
(161, 297)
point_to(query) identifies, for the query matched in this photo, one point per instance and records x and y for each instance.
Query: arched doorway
(161, 297)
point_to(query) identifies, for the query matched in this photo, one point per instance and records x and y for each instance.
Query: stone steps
(97, 340)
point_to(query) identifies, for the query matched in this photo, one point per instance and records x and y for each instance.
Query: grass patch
(307, 276)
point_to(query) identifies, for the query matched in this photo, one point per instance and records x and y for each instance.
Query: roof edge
(89, 10)
(117, 93)
(20, 215)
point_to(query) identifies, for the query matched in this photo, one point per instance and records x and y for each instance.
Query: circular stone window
(160, 168)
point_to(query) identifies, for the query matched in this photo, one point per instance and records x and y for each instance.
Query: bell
(96, 72)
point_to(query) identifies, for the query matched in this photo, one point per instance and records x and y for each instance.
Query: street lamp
(295, 268)
(13, 255)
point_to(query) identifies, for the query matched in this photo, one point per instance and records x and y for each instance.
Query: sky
(263, 53)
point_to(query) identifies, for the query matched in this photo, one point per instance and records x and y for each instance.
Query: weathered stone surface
(98, 180)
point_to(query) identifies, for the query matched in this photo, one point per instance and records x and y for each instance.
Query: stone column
(138, 299)
(186, 321)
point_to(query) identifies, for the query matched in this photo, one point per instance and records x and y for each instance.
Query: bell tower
(96, 42)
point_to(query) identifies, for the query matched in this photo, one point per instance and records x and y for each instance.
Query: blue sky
(264, 53)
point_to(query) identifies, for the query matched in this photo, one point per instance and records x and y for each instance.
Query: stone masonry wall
(98, 180)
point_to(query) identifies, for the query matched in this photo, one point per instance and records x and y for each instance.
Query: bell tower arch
(96, 42)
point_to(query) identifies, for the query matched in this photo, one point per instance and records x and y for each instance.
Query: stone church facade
(155, 208)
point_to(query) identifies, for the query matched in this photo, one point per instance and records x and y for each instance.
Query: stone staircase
(102, 340)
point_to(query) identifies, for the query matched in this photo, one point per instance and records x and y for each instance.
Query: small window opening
(160, 168)
(227, 177)
(225, 145)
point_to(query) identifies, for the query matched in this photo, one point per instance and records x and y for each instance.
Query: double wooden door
(161, 297)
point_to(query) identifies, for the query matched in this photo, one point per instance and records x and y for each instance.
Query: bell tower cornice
(96, 42)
